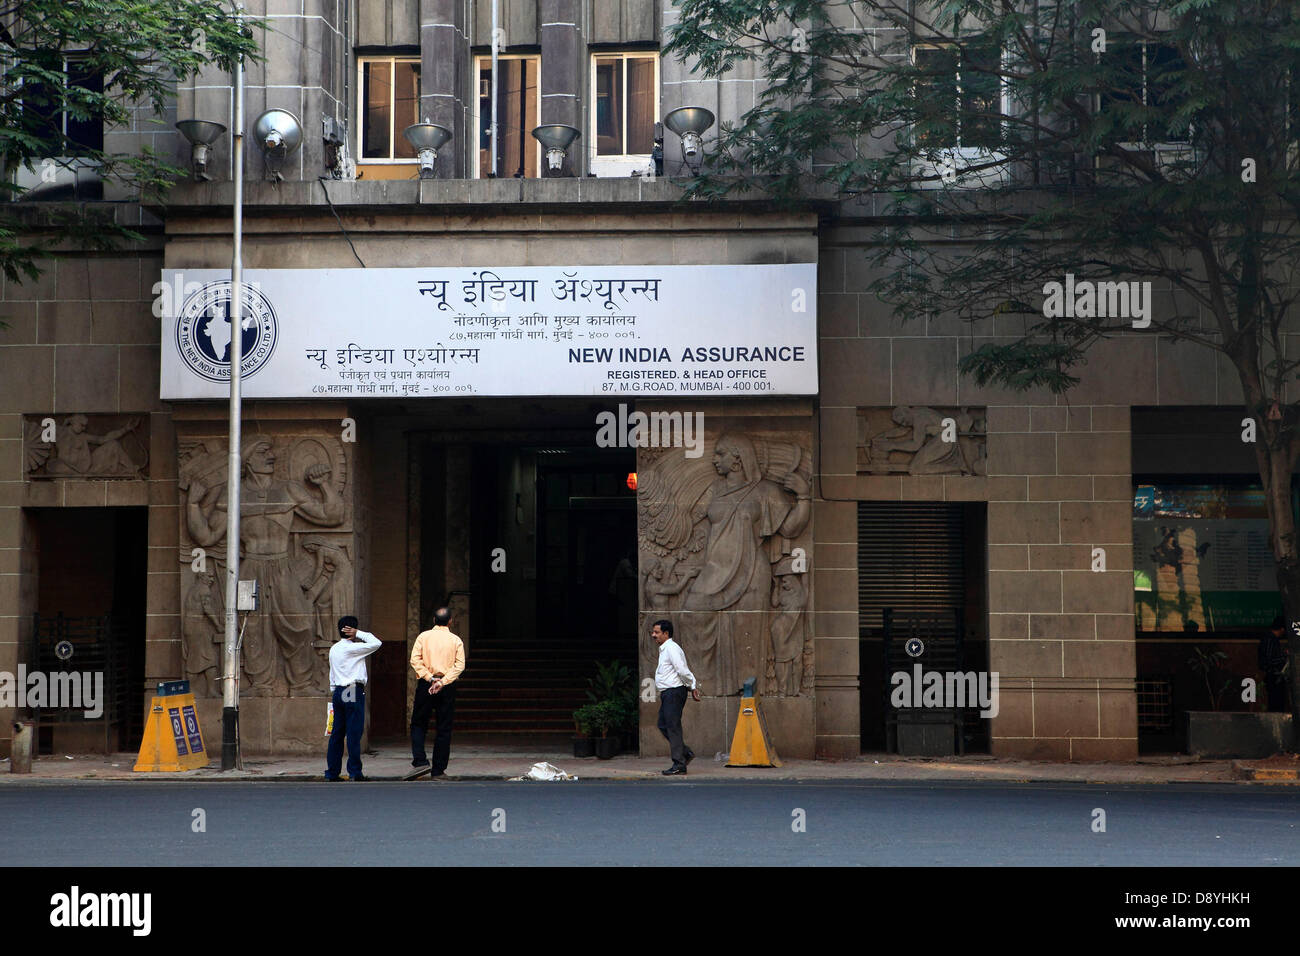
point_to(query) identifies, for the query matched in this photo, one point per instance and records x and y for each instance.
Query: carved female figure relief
(747, 520)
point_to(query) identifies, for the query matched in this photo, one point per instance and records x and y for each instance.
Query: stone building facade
(383, 526)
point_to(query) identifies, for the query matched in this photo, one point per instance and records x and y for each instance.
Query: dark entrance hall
(545, 536)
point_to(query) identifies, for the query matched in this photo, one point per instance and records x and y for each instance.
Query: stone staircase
(514, 690)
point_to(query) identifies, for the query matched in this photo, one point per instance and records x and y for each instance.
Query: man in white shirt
(348, 686)
(670, 676)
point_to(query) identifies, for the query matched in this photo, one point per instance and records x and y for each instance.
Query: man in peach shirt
(438, 659)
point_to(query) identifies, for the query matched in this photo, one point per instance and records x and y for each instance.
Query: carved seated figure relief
(922, 441)
(69, 449)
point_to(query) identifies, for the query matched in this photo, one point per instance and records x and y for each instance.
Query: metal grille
(1155, 705)
(95, 644)
(909, 559)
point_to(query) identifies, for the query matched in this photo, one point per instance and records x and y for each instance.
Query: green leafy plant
(132, 56)
(584, 720)
(605, 717)
(612, 680)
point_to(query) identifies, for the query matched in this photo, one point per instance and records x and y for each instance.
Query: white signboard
(692, 331)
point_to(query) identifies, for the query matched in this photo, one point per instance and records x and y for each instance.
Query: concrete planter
(1217, 734)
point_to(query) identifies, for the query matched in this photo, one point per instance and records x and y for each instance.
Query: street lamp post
(230, 697)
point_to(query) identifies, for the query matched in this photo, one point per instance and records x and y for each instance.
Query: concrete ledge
(1283, 768)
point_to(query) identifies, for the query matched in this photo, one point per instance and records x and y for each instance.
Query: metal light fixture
(278, 133)
(556, 138)
(427, 138)
(690, 123)
(200, 134)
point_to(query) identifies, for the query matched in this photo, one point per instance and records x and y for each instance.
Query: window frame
(66, 59)
(478, 61)
(619, 164)
(1004, 96)
(1146, 144)
(927, 164)
(393, 132)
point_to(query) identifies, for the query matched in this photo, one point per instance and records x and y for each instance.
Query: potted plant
(583, 722)
(1218, 734)
(605, 722)
(613, 692)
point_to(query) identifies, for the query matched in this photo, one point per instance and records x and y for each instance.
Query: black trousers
(1275, 685)
(672, 702)
(443, 704)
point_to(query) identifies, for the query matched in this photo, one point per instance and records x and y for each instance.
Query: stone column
(1060, 632)
(725, 553)
(457, 539)
(444, 69)
(563, 66)
(298, 539)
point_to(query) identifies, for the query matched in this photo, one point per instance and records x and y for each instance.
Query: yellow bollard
(750, 745)
(172, 740)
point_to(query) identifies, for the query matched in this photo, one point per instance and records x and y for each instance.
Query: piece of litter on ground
(67, 756)
(545, 771)
(117, 765)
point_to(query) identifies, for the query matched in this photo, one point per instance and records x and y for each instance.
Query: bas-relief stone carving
(292, 486)
(86, 446)
(918, 440)
(717, 542)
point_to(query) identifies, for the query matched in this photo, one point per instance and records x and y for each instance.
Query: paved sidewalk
(502, 763)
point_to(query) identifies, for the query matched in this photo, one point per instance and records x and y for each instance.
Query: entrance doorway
(548, 534)
(921, 578)
(90, 619)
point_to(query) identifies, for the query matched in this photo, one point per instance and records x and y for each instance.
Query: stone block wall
(81, 339)
(1057, 482)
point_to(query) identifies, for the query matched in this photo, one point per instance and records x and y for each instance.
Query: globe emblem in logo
(63, 650)
(915, 647)
(203, 331)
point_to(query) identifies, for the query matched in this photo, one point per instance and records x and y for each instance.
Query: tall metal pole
(496, 44)
(230, 698)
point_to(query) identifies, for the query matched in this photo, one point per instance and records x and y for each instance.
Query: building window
(625, 108)
(518, 153)
(45, 104)
(1146, 78)
(389, 90)
(959, 95)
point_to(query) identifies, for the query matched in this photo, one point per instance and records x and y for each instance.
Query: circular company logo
(63, 650)
(915, 647)
(203, 331)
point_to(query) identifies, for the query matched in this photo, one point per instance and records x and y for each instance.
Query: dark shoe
(418, 772)
(674, 771)
(690, 755)
(360, 776)
(331, 779)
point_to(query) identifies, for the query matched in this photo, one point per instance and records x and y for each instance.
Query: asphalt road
(676, 822)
